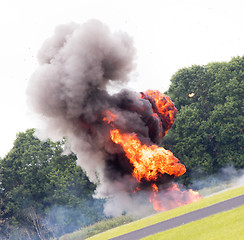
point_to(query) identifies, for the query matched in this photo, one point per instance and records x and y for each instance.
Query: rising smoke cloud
(69, 92)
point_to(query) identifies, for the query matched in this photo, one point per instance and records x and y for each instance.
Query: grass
(98, 228)
(226, 225)
(101, 228)
(168, 214)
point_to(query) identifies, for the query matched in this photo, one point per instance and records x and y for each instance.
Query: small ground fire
(116, 137)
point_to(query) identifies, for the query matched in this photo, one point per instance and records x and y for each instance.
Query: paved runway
(183, 219)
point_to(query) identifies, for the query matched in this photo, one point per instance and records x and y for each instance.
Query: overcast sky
(168, 35)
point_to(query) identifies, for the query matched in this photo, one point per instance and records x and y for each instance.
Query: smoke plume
(69, 91)
(225, 178)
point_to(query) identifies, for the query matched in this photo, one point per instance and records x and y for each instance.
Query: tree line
(208, 130)
(44, 194)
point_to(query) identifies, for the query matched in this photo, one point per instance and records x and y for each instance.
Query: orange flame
(172, 197)
(148, 161)
(163, 106)
(109, 117)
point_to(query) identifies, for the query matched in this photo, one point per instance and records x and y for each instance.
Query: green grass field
(159, 217)
(222, 226)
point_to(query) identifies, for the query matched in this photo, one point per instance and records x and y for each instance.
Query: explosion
(115, 136)
(148, 161)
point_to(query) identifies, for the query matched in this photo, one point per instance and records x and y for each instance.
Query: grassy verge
(98, 228)
(226, 225)
(168, 214)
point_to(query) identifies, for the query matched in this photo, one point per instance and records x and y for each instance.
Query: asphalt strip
(183, 219)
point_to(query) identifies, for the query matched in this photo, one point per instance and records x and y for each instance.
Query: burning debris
(115, 136)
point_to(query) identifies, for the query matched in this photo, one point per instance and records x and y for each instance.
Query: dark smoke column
(69, 92)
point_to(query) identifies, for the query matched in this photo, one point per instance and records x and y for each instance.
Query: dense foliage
(208, 131)
(43, 193)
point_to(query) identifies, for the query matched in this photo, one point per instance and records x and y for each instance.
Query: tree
(208, 131)
(43, 192)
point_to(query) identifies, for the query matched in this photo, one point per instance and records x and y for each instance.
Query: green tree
(43, 192)
(208, 131)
